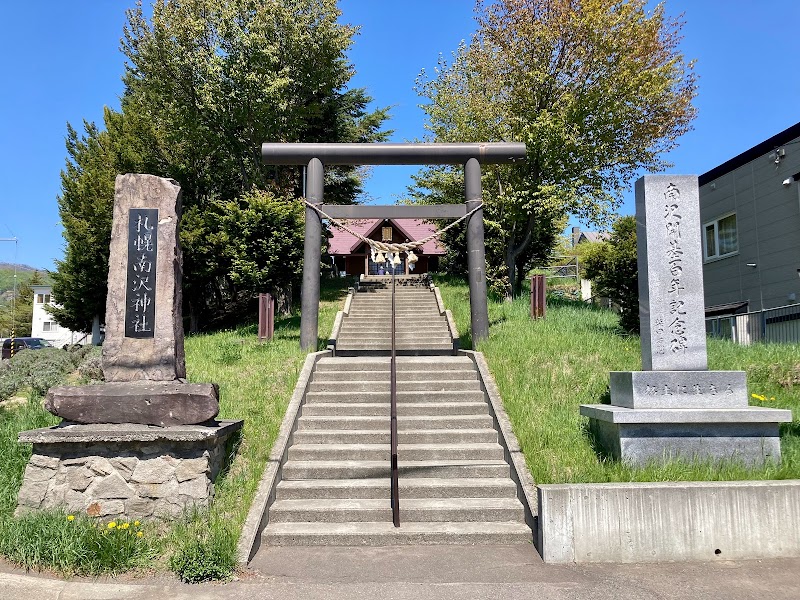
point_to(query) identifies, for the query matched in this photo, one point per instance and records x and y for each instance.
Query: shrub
(612, 268)
(206, 549)
(91, 368)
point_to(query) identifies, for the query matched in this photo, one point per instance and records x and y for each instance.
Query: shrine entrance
(316, 156)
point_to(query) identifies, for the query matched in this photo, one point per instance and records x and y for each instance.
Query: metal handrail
(395, 486)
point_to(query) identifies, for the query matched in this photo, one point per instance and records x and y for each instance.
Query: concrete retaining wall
(645, 522)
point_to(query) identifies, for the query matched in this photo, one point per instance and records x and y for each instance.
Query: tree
(612, 268)
(17, 316)
(597, 90)
(206, 83)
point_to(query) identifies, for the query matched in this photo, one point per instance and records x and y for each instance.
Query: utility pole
(14, 293)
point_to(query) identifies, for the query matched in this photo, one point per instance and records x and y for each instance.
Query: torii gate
(315, 156)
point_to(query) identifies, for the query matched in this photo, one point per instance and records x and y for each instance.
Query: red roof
(344, 243)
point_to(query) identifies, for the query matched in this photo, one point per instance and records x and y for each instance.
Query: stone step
(422, 510)
(403, 397)
(428, 324)
(386, 534)
(404, 363)
(402, 386)
(374, 409)
(379, 343)
(459, 451)
(404, 423)
(378, 436)
(402, 375)
(410, 487)
(364, 469)
(409, 337)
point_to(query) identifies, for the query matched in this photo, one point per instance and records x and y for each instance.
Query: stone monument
(675, 407)
(144, 443)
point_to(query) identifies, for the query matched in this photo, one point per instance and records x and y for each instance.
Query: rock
(158, 490)
(153, 470)
(124, 465)
(161, 356)
(111, 507)
(44, 461)
(190, 468)
(138, 508)
(142, 402)
(101, 466)
(112, 486)
(197, 488)
(79, 479)
(32, 493)
(33, 473)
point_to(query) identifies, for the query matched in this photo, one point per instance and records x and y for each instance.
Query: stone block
(32, 493)
(198, 488)
(33, 473)
(111, 508)
(79, 478)
(43, 461)
(679, 389)
(100, 465)
(671, 301)
(164, 404)
(168, 489)
(124, 465)
(191, 468)
(109, 487)
(153, 470)
(139, 508)
(160, 357)
(639, 436)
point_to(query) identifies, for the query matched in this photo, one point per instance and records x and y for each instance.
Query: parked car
(24, 343)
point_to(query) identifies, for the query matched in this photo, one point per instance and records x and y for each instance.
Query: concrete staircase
(420, 327)
(455, 486)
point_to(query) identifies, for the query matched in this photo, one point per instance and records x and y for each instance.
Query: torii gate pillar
(476, 253)
(312, 256)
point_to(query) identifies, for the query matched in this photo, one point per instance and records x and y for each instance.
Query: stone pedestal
(675, 408)
(124, 471)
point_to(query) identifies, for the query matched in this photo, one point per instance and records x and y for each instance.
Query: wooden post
(538, 297)
(266, 317)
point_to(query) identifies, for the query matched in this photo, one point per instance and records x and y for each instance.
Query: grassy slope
(545, 369)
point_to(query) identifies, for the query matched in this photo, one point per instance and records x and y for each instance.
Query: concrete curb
(250, 538)
(451, 325)
(526, 488)
(666, 521)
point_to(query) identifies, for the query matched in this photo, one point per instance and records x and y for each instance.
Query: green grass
(256, 383)
(545, 369)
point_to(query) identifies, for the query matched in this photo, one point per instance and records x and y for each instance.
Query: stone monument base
(638, 436)
(124, 471)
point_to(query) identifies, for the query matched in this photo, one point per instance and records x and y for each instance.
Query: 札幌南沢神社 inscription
(140, 306)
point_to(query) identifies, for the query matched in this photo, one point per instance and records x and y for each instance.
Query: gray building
(750, 214)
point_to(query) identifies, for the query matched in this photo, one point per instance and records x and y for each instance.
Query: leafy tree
(207, 82)
(612, 268)
(18, 316)
(597, 90)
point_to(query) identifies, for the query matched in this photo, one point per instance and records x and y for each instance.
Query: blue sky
(59, 62)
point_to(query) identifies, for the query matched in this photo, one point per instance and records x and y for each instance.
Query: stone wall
(122, 478)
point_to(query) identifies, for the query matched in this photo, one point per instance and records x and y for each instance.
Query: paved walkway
(439, 572)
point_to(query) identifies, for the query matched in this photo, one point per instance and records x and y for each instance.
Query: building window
(42, 298)
(49, 326)
(720, 237)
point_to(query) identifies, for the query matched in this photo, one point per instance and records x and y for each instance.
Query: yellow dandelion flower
(136, 523)
(125, 525)
(112, 524)
(139, 534)
(70, 517)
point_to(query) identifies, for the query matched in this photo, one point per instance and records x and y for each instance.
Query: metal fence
(773, 325)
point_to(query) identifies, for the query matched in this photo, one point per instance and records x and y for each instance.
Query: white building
(43, 324)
